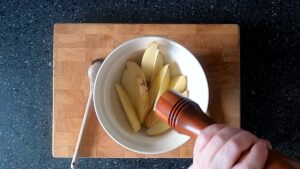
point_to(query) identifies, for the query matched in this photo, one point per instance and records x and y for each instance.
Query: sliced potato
(134, 82)
(160, 84)
(149, 60)
(158, 128)
(158, 65)
(151, 119)
(128, 108)
(174, 69)
(185, 93)
(178, 83)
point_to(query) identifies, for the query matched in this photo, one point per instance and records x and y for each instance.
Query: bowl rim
(172, 42)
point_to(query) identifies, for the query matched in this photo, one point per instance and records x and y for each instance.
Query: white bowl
(108, 107)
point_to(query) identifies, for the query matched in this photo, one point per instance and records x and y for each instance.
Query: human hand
(220, 147)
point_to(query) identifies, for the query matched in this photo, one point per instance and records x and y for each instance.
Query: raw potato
(178, 83)
(158, 128)
(185, 93)
(149, 60)
(174, 69)
(128, 108)
(134, 82)
(139, 98)
(151, 119)
(159, 85)
(158, 65)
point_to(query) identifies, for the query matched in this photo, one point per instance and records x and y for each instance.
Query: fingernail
(268, 143)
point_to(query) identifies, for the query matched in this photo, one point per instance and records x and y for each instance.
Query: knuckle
(218, 126)
(204, 137)
(234, 144)
(220, 138)
(215, 127)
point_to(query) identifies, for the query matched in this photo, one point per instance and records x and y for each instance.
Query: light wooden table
(217, 47)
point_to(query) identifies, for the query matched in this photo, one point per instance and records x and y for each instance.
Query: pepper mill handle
(186, 117)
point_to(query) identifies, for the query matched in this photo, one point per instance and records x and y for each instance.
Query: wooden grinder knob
(186, 117)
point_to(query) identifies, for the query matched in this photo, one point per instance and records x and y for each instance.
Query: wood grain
(216, 46)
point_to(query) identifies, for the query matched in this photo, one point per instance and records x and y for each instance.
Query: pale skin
(220, 147)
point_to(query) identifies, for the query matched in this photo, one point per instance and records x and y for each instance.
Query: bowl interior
(108, 107)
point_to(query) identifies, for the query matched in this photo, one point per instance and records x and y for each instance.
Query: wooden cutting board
(216, 46)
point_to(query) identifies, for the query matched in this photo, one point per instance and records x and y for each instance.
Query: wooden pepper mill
(186, 117)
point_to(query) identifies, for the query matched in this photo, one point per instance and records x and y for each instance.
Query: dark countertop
(270, 78)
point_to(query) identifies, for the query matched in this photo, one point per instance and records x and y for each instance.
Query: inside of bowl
(108, 106)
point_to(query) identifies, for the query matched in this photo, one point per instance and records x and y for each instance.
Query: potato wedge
(151, 119)
(130, 112)
(149, 59)
(158, 128)
(178, 83)
(174, 69)
(134, 82)
(158, 65)
(159, 85)
(185, 93)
